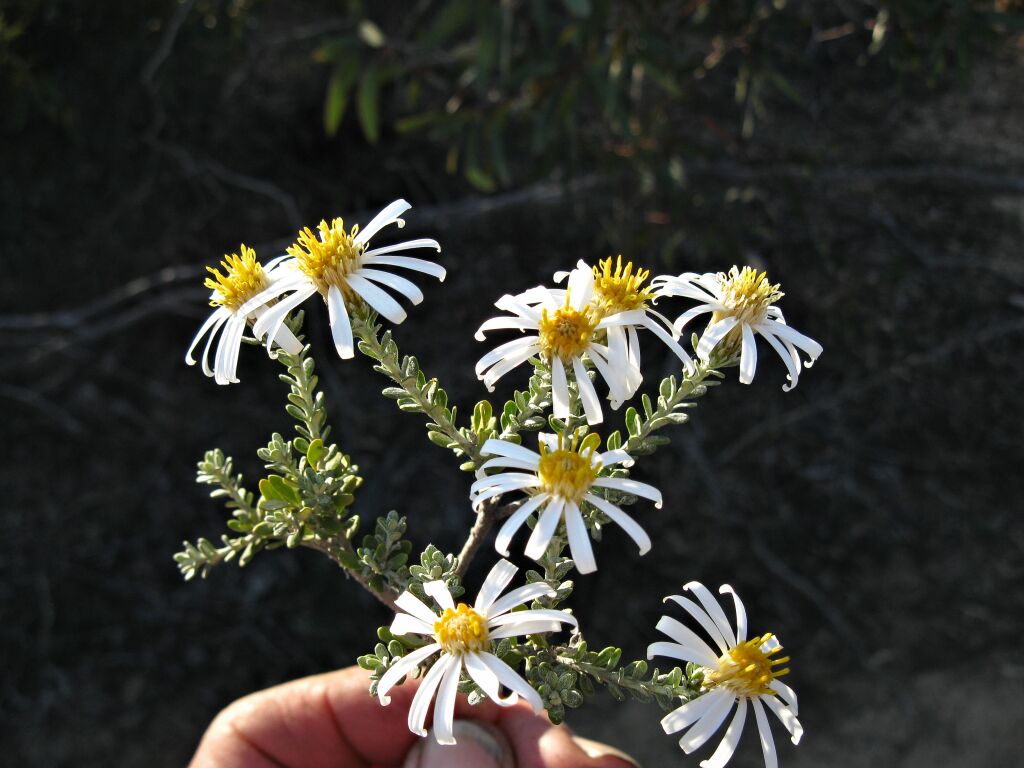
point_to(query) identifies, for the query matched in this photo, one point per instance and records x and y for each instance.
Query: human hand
(329, 721)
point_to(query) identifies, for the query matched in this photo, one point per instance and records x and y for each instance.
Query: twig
(488, 514)
(330, 547)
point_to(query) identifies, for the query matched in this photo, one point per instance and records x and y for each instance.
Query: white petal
(504, 322)
(376, 298)
(494, 447)
(404, 624)
(444, 707)
(580, 287)
(559, 390)
(771, 757)
(484, 676)
(341, 326)
(714, 609)
(388, 215)
(713, 335)
(423, 242)
(209, 342)
(511, 680)
(786, 716)
(524, 629)
(425, 693)
(579, 540)
(411, 604)
(679, 652)
(807, 344)
(682, 321)
(669, 342)
(498, 578)
(503, 480)
(217, 318)
(633, 487)
(741, 613)
(624, 521)
(226, 362)
(687, 637)
(287, 341)
(691, 711)
(531, 615)
(295, 281)
(398, 283)
(518, 596)
(748, 356)
(618, 456)
(515, 522)
(504, 462)
(405, 262)
(509, 349)
(588, 395)
(705, 728)
(439, 591)
(730, 740)
(507, 365)
(401, 668)
(792, 363)
(545, 529)
(788, 694)
(703, 619)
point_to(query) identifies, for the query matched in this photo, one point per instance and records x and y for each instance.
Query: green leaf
(480, 179)
(338, 89)
(368, 105)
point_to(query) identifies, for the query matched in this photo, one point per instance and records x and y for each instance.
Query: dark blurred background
(868, 153)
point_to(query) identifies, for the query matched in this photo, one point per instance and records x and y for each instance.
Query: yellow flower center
(746, 294)
(748, 669)
(566, 332)
(568, 471)
(462, 630)
(619, 290)
(329, 258)
(242, 279)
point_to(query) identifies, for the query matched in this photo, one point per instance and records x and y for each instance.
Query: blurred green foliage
(518, 88)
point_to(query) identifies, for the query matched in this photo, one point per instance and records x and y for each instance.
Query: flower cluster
(584, 328)
(335, 262)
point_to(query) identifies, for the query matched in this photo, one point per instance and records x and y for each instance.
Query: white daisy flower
(337, 264)
(619, 289)
(243, 278)
(741, 304)
(742, 671)
(559, 479)
(564, 323)
(464, 637)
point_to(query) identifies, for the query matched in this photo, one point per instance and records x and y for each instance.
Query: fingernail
(478, 745)
(597, 749)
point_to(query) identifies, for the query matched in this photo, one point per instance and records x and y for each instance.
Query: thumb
(479, 745)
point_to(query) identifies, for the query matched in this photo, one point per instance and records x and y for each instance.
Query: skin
(330, 721)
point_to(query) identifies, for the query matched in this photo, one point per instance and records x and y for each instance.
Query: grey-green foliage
(566, 675)
(524, 412)
(383, 555)
(414, 391)
(304, 494)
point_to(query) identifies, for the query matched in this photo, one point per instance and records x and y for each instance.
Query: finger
(323, 721)
(539, 744)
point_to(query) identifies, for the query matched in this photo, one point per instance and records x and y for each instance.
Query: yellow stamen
(329, 258)
(462, 630)
(619, 290)
(566, 333)
(748, 669)
(243, 278)
(746, 295)
(569, 471)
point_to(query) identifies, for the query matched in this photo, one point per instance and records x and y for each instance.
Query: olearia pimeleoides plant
(537, 463)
